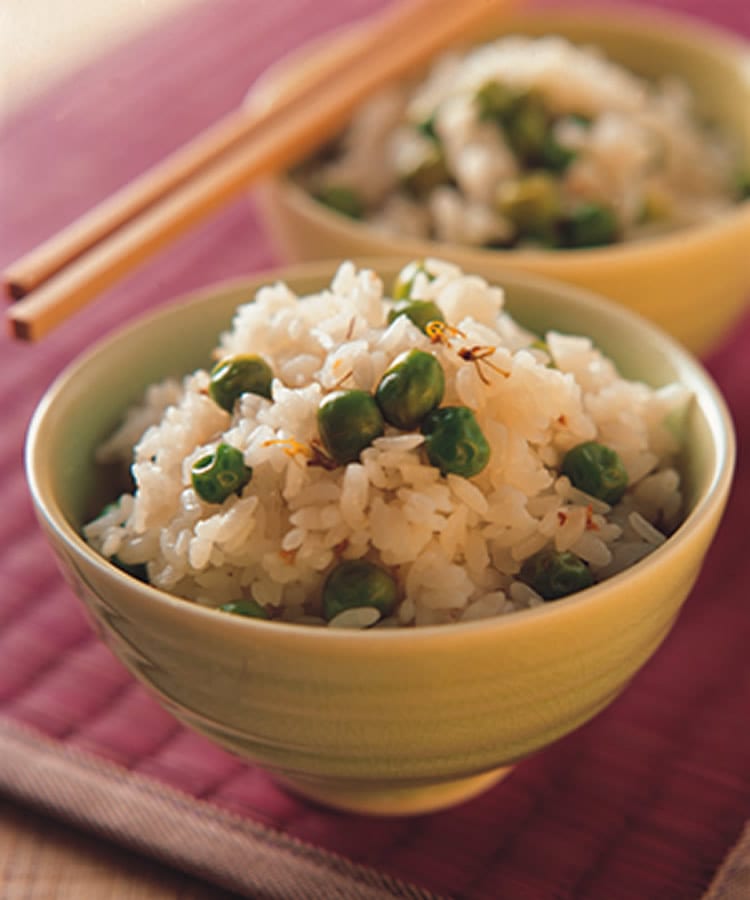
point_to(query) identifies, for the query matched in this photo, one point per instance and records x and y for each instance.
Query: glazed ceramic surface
(694, 283)
(377, 721)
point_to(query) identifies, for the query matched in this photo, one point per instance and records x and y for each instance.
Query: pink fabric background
(644, 802)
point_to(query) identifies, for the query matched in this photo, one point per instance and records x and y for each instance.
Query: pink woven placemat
(644, 802)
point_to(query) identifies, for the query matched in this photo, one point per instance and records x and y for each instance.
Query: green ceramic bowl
(694, 283)
(389, 721)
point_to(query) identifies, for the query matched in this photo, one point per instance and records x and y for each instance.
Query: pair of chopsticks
(60, 276)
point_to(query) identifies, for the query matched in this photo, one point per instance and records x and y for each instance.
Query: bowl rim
(679, 28)
(709, 504)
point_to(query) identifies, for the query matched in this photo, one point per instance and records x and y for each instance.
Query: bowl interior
(89, 399)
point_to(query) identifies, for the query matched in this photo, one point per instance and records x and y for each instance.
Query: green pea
(356, 583)
(454, 441)
(532, 203)
(554, 155)
(341, 199)
(412, 386)
(349, 421)
(421, 312)
(527, 127)
(589, 225)
(249, 608)
(597, 470)
(495, 101)
(404, 283)
(220, 474)
(554, 574)
(237, 375)
(428, 174)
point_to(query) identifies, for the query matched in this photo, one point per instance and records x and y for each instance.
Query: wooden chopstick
(49, 257)
(69, 270)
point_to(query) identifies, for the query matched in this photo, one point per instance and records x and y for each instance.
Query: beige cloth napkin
(202, 839)
(192, 835)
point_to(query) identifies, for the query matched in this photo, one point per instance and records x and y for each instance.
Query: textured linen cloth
(646, 801)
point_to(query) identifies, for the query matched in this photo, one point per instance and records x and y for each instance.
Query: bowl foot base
(389, 799)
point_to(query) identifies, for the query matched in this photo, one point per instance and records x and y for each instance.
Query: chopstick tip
(14, 290)
(20, 329)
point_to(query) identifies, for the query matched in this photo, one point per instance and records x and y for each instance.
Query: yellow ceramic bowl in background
(380, 721)
(695, 283)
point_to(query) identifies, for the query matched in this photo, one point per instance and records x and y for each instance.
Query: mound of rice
(638, 147)
(454, 545)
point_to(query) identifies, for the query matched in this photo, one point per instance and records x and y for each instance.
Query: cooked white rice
(454, 545)
(645, 153)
